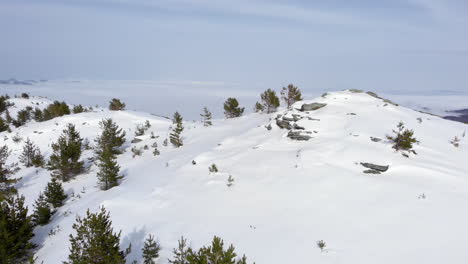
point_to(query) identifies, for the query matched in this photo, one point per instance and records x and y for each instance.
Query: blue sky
(415, 46)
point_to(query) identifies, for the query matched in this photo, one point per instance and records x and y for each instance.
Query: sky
(397, 46)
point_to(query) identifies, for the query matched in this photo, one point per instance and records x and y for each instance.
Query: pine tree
(258, 107)
(215, 254)
(16, 231)
(6, 171)
(54, 193)
(180, 253)
(206, 117)
(108, 174)
(150, 250)
(270, 101)
(29, 156)
(65, 160)
(291, 94)
(78, 109)
(42, 212)
(3, 125)
(38, 115)
(22, 117)
(232, 109)
(403, 139)
(8, 117)
(116, 105)
(111, 139)
(174, 137)
(95, 241)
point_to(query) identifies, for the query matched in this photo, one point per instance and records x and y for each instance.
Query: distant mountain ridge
(14, 81)
(461, 116)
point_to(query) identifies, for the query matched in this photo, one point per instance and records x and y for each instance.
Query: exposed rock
(372, 172)
(287, 118)
(312, 106)
(296, 135)
(268, 127)
(296, 117)
(351, 113)
(194, 162)
(313, 119)
(375, 139)
(283, 124)
(296, 126)
(371, 166)
(136, 140)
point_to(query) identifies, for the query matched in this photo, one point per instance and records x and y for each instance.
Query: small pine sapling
(213, 168)
(230, 181)
(321, 244)
(455, 142)
(206, 117)
(403, 139)
(150, 250)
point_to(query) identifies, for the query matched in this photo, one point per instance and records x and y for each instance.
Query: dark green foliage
(258, 107)
(16, 231)
(78, 109)
(8, 117)
(206, 117)
(150, 250)
(321, 244)
(115, 105)
(64, 162)
(403, 139)
(54, 193)
(25, 95)
(42, 212)
(111, 139)
(214, 254)
(95, 241)
(31, 155)
(3, 125)
(108, 173)
(22, 117)
(54, 110)
(6, 171)
(174, 137)
(38, 115)
(180, 253)
(232, 109)
(270, 101)
(213, 168)
(3, 104)
(291, 94)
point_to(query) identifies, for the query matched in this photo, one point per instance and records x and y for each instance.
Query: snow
(287, 194)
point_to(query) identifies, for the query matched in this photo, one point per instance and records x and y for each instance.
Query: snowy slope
(287, 194)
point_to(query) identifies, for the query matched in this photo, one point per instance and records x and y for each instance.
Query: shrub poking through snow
(206, 117)
(16, 229)
(455, 142)
(54, 193)
(232, 109)
(116, 105)
(78, 109)
(321, 244)
(403, 139)
(55, 109)
(150, 250)
(31, 155)
(174, 137)
(230, 181)
(65, 159)
(215, 253)
(42, 212)
(137, 151)
(155, 149)
(291, 94)
(213, 168)
(140, 130)
(3, 125)
(270, 101)
(17, 138)
(95, 241)
(258, 108)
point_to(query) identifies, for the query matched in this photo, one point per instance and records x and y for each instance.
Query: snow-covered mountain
(287, 194)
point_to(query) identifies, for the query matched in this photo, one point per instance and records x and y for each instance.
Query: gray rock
(371, 166)
(296, 135)
(136, 140)
(375, 139)
(296, 126)
(312, 106)
(283, 124)
(268, 127)
(288, 118)
(296, 117)
(372, 172)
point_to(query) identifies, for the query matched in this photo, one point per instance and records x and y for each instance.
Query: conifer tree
(22, 117)
(116, 105)
(16, 231)
(174, 137)
(108, 174)
(8, 117)
(150, 250)
(38, 115)
(180, 253)
(6, 171)
(215, 254)
(258, 107)
(42, 212)
(291, 94)
(54, 193)
(78, 109)
(65, 160)
(403, 139)
(95, 241)
(3, 125)
(270, 101)
(232, 109)
(31, 154)
(111, 139)
(206, 116)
